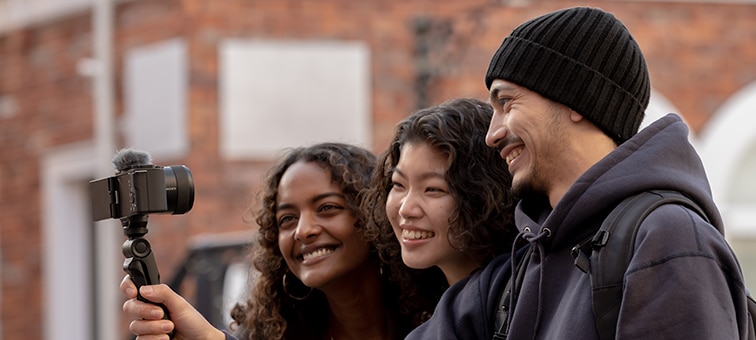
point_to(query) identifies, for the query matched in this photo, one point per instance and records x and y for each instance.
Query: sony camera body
(141, 190)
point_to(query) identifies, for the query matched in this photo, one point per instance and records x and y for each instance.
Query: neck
(459, 270)
(585, 150)
(357, 309)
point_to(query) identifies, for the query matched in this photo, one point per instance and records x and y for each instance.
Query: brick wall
(699, 54)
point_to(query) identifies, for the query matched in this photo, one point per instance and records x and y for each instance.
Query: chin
(313, 279)
(527, 189)
(523, 186)
(519, 187)
(416, 264)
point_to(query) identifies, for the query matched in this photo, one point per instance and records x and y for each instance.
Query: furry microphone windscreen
(129, 158)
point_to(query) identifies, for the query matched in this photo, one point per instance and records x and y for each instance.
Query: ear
(575, 117)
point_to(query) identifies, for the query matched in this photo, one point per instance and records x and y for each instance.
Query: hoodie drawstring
(518, 271)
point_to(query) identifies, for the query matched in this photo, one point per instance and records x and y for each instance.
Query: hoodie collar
(657, 157)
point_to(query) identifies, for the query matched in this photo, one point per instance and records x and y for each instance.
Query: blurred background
(223, 86)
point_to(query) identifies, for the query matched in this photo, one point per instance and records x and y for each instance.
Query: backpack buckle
(600, 239)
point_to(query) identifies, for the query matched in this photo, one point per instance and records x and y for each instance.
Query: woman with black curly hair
(318, 276)
(440, 197)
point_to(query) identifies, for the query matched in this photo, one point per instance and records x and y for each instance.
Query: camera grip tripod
(141, 266)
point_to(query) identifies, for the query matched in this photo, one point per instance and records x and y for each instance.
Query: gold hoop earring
(298, 298)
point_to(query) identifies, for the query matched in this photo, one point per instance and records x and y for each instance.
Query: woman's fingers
(151, 329)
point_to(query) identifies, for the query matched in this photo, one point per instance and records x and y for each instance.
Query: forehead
(306, 177)
(501, 86)
(419, 155)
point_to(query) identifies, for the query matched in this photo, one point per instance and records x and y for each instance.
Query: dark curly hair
(269, 312)
(482, 224)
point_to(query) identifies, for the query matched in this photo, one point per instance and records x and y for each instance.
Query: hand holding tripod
(140, 262)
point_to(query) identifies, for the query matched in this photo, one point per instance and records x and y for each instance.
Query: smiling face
(317, 233)
(419, 206)
(530, 131)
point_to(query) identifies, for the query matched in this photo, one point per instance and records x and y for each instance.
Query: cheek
(442, 213)
(392, 212)
(354, 240)
(285, 243)
(393, 202)
(361, 249)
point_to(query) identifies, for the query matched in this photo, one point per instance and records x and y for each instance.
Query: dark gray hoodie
(684, 281)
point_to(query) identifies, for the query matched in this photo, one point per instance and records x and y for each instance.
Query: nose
(307, 227)
(409, 206)
(497, 132)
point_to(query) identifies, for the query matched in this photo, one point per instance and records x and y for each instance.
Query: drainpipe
(106, 233)
(421, 29)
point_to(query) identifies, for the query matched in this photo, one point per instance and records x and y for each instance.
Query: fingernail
(166, 326)
(146, 290)
(130, 292)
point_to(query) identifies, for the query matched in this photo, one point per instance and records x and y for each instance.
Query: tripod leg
(141, 266)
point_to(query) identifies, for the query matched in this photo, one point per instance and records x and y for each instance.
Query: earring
(298, 298)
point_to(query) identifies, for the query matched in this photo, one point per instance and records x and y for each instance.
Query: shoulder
(673, 233)
(465, 309)
(480, 284)
(678, 225)
(684, 266)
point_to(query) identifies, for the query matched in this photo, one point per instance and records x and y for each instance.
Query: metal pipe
(107, 233)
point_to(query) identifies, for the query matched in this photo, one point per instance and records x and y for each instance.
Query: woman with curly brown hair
(318, 277)
(440, 197)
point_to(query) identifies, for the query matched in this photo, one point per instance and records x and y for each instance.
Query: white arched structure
(728, 150)
(659, 106)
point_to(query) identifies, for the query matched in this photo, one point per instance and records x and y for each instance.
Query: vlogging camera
(141, 188)
(138, 189)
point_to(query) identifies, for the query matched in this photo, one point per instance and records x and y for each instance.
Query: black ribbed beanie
(583, 58)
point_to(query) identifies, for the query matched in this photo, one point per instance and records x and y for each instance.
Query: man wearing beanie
(569, 90)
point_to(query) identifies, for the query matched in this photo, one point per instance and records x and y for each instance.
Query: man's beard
(532, 185)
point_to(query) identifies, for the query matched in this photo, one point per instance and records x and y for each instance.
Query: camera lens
(179, 189)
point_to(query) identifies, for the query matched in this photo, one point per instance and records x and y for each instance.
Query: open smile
(416, 234)
(512, 155)
(320, 252)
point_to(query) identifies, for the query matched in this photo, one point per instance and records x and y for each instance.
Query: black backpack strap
(751, 316)
(607, 254)
(504, 311)
(501, 322)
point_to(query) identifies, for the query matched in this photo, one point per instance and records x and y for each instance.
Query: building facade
(224, 86)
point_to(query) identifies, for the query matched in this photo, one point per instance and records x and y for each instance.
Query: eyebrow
(495, 90)
(423, 176)
(313, 200)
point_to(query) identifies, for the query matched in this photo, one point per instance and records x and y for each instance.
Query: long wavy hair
(269, 312)
(481, 224)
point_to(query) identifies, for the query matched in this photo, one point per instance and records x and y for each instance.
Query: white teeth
(317, 253)
(416, 234)
(512, 155)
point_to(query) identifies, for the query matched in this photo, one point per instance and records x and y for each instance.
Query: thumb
(128, 288)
